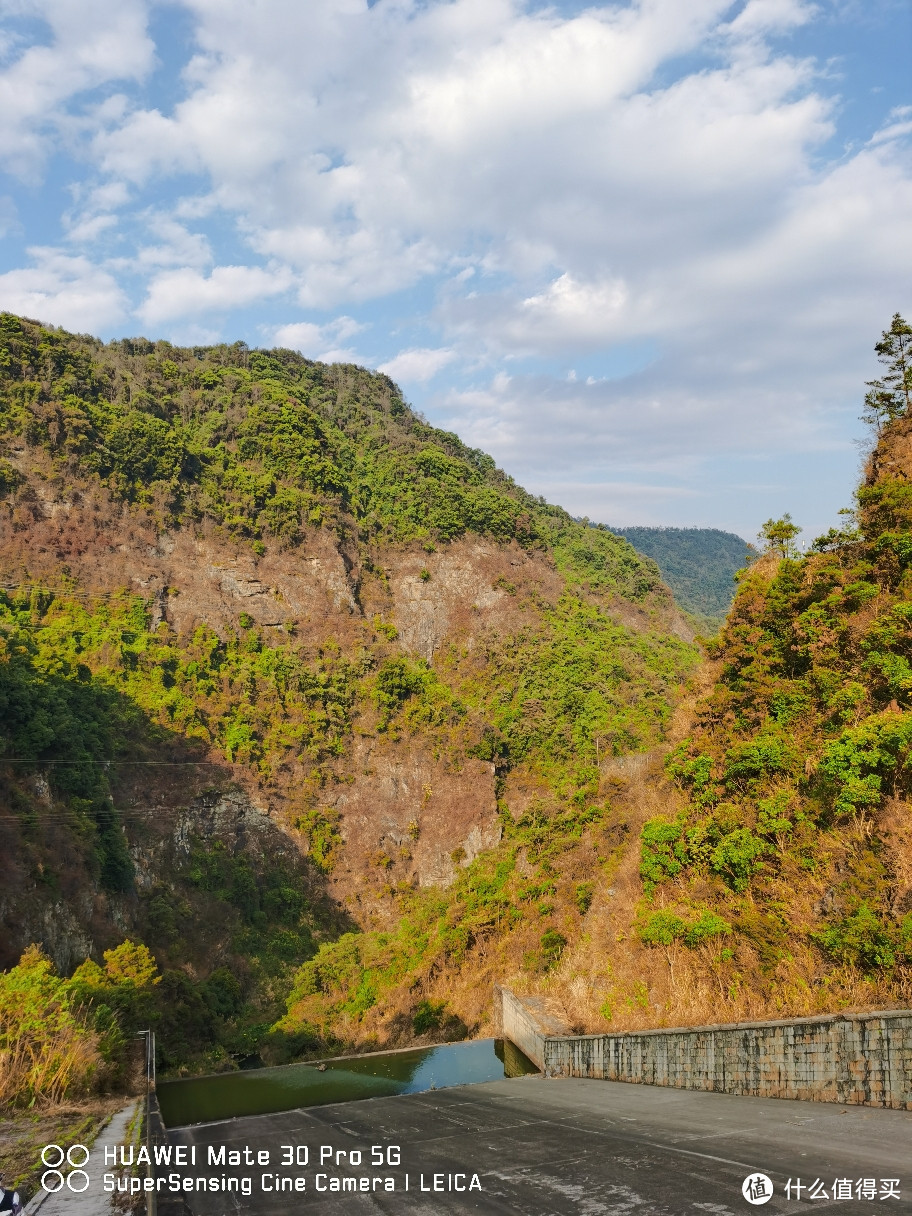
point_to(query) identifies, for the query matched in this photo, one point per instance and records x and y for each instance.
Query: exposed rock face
(892, 456)
(198, 576)
(413, 817)
(168, 814)
(405, 814)
(60, 925)
(468, 585)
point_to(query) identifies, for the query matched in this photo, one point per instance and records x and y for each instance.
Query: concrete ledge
(862, 1059)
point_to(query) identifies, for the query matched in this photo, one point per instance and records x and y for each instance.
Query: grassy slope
(266, 447)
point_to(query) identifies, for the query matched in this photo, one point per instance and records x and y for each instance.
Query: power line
(27, 818)
(71, 593)
(117, 763)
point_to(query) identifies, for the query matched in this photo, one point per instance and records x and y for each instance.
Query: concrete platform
(92, 1201)
(559, 1147)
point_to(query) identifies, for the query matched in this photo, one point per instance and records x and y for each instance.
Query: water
(265, 1091)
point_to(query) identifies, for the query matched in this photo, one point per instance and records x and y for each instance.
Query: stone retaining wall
(859, 1058)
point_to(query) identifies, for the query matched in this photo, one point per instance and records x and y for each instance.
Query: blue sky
(639, 252)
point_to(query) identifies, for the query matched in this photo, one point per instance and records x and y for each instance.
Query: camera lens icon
(75, 1179)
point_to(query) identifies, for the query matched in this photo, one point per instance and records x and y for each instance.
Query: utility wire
(118, 763)
(68, 593)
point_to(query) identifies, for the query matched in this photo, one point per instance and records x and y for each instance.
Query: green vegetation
(699, 565)
(665, 928)
(778, 536)
(265, 449)
(49, 1044)
(558, 694)
(267, 443)
(890, 397)
(63, 1038)
(798, 775)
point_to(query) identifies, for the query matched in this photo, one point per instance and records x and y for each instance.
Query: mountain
(698, 564)
(300, 695)
(315, 725)
(785, 871)
(758, 863)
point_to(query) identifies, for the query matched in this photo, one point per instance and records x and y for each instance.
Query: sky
(639, 252)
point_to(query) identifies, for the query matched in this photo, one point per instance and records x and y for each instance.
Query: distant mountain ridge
(699, 564)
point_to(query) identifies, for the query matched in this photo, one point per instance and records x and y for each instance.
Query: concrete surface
(92, 1201)
(857, 1058)
(544, 1147)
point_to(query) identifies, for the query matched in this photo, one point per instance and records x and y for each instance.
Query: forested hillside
(315, 725)
(284, 666)
(773, 873)
(698, 564)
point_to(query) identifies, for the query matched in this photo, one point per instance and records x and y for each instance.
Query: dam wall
(859, 1059)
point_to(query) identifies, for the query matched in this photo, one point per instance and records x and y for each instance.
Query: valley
(316, 725)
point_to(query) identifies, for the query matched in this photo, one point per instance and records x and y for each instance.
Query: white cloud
(91, 43)
(321, 342)
(90, 228)
(760, 17)
(187, 292)
(559, 187)
(417, 365)
(176, 246)
(63, 290)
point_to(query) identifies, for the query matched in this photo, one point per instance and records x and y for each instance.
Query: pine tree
(778, 536)
(891, 396)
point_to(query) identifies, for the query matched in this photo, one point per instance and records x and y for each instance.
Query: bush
(553, 945)
(583, 896)
(665, 928)
(862, 940)
(428, 1016)
(664, 853)
(737, 857)
(854, 766)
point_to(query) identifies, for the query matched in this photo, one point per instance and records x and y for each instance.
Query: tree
(778, 536)
(891, 396)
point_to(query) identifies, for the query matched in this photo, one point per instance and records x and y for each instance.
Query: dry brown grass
(49, 1051)
(24, 1134)
(45, 1068)
(610, 981)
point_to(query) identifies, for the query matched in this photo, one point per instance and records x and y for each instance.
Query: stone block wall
(854, 1058)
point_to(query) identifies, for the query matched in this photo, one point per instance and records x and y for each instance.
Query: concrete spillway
(542, 1147)
(856, 1058)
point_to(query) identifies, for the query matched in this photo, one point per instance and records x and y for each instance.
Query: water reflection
(267, 1090)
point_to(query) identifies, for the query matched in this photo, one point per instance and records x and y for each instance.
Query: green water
(265, 1091)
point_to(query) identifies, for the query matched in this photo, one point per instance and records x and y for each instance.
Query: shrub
(693, 772)
(553, 945)
(664, 928)
(737, 857)
(864, 941)
(663, 854)
(854, 765)
(583, 896)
